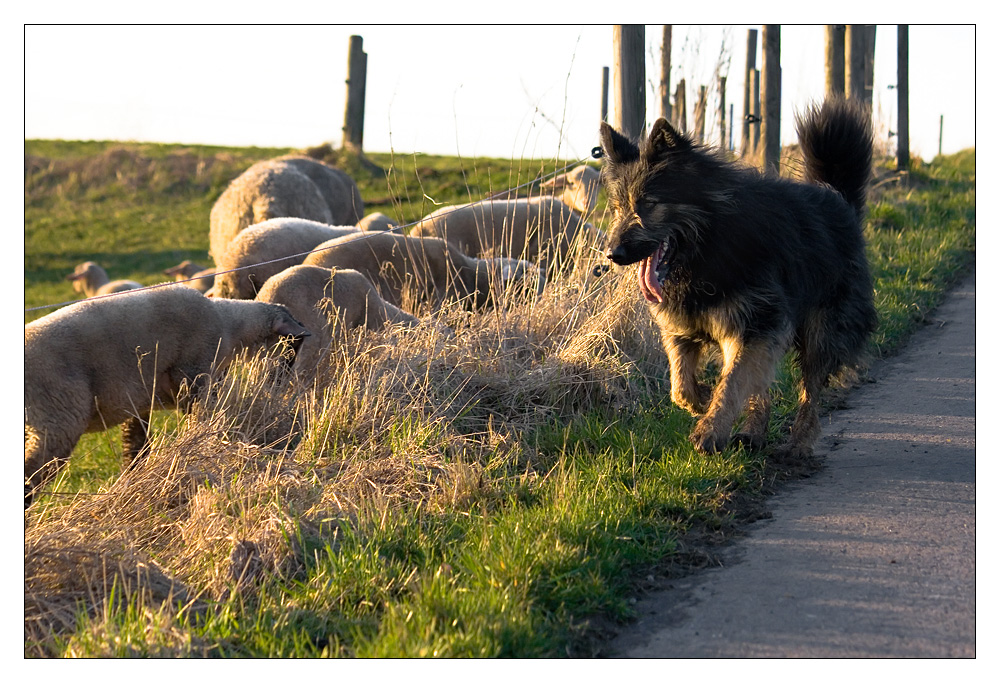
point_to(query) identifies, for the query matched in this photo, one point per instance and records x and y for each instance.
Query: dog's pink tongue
(648, 284)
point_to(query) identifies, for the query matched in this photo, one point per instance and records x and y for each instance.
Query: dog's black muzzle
(618, 255)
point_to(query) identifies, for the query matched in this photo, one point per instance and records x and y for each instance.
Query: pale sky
(509, 91)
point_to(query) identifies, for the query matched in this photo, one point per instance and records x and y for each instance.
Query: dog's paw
(705, 439)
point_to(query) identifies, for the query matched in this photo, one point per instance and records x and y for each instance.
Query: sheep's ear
(664, 139)
(74, 276)
(616, 147)
(287, 326)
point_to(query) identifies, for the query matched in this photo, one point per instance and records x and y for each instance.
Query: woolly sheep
(192, 275)
(539, 229)
(313, 295)
(258, 247)
(90, 279)
(293, 186)
(577, 188)
(106, 361)
(428, 268)
(377, 221)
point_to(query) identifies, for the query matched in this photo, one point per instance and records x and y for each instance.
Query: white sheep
(538, 229)
(410, 271)
(192, 275)
(266, 249)
(315, 295)
(577, 188)
(106, 361)
(377, 221)
(293, 186)
(90, 279)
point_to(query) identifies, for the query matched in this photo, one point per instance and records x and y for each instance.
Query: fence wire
(303, 255)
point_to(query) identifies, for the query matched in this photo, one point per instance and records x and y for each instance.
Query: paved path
(875, 555)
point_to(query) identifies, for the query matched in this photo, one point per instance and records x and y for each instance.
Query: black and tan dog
(754, 263)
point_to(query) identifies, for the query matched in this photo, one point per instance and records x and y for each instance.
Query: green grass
(137, 209)
(553, 538)
(921, 237)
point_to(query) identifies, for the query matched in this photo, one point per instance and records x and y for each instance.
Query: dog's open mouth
(653, 272)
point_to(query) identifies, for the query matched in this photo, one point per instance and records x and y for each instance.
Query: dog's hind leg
(754, 432)
(684, 355)
(817, 361)
(806, 428)
(747, 372)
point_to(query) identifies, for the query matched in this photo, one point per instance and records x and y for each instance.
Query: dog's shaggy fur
(753, 263)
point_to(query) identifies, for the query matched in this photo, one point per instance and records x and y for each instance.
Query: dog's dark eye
(645, 205)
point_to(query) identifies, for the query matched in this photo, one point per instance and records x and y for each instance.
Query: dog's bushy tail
(836, 141)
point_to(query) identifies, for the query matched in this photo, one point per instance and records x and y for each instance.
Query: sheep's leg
(135, 441)
(45, 452)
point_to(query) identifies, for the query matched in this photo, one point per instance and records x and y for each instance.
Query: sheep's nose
(617, 255)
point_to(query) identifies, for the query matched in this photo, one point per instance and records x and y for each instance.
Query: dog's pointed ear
(663, 139)
(616, 147)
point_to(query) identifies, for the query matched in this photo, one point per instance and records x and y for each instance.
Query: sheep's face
(286, 330)
(224, 287)
(86, 274)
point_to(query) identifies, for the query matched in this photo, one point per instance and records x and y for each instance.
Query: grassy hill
(501, 493)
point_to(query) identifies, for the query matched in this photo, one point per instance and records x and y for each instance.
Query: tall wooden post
(665, 109)
(730, 148)
(854, 61)
(630, 79)
(771, 96)
(680, 107)
(748, 107)
(835, 60)
(869, 65)
(604, 93)
(903, 97)
(722, 112)
(699, 114)
(754, 149)
(354, 110)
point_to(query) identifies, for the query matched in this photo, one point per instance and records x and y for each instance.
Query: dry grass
(430, 417)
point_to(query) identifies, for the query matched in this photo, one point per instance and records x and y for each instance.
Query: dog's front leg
(684, 354)
(747, 371)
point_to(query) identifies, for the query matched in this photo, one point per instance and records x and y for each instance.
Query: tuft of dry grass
(431, 417)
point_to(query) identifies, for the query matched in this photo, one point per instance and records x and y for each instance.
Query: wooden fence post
(754, 148)
(354, 109)
(748, 108)
(722, 112)
(630, 79)
(869, 65)
(771, 96)
(604, 93)
(665, 109)
(699, 114)
(903, 97)
(730, 148)
(854, 61)
(835, 60)
(680, 107)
